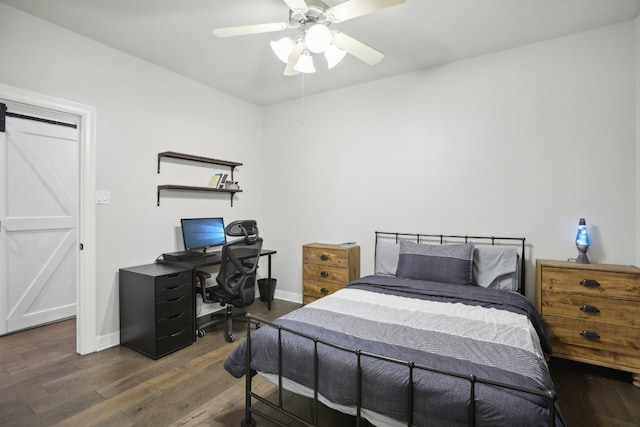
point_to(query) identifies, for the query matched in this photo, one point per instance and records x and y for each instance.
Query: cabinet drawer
(170, 280)
(591, 282)
(175, 306)
(175, 323)
(172, 291)
(592, 335)
(325, 274)
(592, 308)
(338, 258)
(175, 341)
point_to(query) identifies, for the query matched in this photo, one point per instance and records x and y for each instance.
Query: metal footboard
(549, 396)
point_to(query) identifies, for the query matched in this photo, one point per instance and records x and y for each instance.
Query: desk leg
(269, 283)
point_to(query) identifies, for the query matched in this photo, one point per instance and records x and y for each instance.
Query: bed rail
(443, 239)
(548, 395)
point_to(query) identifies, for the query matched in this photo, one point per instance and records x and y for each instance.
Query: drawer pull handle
(175, 316)
(590, 309)
(324, 257)
(175, 334)
(324, 290)
(590, 334)
(324, 273)
(590, 283)
(175, 299)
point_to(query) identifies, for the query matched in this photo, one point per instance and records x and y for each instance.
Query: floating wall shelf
(200, 159)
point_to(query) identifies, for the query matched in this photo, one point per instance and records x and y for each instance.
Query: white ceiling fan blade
(297, 5)
(356, 48)
(354, 8)
(289, 70)
(249, 29)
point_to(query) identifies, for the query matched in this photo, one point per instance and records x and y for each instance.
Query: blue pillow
(451, 264)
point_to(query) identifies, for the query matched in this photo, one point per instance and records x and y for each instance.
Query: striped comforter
(491, 334)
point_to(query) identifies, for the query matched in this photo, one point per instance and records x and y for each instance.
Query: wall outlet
(103, 198)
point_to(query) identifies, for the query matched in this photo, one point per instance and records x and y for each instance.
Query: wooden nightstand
(327, 268)
(592, 312)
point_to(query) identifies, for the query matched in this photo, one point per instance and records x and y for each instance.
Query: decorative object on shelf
(311, 19)
(582, 242)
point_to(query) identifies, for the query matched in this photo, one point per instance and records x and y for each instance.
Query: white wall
(141, 110)
(522, 142)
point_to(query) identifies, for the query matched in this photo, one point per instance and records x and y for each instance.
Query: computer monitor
(202, 233)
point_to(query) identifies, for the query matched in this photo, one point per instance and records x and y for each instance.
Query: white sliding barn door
(39, 210)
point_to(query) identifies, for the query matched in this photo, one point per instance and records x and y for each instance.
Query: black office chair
(236, 279)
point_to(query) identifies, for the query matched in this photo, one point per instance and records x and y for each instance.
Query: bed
(441, 334)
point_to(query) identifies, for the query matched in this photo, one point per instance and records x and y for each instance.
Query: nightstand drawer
(595, 309)
(591, 282)
(325, 274)
(325, 255)
(316, 290)
(580, 333)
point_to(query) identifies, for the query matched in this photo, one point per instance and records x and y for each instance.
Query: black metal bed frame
(457, 239)
(549, 395)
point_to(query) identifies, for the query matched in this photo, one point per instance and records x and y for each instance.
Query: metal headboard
(444, 239)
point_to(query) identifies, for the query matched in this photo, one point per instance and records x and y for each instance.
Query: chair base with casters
(216, 294)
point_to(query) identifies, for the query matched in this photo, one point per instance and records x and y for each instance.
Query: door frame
(86, 322)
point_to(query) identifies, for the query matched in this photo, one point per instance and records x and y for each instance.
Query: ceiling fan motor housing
(315, 14)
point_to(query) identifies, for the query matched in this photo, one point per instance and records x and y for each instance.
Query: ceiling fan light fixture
(282, 48)
(305, 63)
(334, 55)
(318, 38)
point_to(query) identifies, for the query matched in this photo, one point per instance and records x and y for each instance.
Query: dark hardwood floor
(43, 382)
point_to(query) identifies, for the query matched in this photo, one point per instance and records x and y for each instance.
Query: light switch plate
(103, 198)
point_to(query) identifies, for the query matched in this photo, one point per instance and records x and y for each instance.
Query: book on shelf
(215, 180)
(223, 179)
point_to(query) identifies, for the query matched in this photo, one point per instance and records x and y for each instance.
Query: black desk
(214, 258)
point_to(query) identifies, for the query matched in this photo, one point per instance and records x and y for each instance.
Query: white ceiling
(176, 34)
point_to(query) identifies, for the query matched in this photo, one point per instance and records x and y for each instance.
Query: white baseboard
(104, 342)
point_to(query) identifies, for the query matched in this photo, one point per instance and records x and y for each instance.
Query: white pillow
(387, 254)
(495, 267)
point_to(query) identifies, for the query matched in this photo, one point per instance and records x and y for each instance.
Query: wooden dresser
(592, 312)
(327, 268)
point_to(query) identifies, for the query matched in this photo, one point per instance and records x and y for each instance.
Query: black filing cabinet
(157, 304)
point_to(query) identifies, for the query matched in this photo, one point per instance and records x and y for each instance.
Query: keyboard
(181, 255)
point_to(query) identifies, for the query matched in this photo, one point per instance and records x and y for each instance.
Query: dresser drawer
(325, 274)
(314, 289)
(326, 256)
(592, 308)
(565, 332)
(621, 285)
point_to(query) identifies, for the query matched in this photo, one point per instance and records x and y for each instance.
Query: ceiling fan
(312, 19)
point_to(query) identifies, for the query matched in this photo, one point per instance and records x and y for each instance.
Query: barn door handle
(324, 273)
(590, 309)
(324, 290)
(324, 257)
